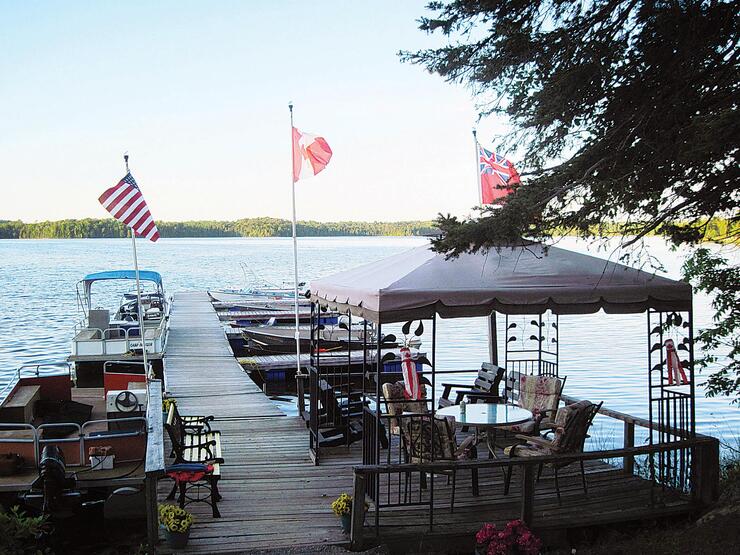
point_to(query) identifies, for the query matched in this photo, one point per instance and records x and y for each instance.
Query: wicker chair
(425, 439)
(569, 436)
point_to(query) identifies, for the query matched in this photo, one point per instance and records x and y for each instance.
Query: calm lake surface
(604, 356)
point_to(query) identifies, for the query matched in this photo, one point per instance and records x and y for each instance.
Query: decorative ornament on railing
(412, 383)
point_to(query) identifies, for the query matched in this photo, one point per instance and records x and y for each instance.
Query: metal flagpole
(492, 331)
(477, 166)
(138, 292)
(295, 248)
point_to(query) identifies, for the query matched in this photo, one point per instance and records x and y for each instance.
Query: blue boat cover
(145, 275)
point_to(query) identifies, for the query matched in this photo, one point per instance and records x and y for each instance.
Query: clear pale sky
(197, 93)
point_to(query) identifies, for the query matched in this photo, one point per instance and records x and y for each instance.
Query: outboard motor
(52, 491)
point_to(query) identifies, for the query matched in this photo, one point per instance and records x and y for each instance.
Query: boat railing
(16, 426)
(82, 434)
(126, 335)
(41, 441)
(34, 370)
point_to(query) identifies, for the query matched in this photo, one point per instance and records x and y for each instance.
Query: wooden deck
(274, 497)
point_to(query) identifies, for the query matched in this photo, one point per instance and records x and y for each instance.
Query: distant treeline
(717, 229)
(249, 227)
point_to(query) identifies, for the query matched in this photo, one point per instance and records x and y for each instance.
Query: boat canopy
(144, 275)
(88, 280)
(524, 279)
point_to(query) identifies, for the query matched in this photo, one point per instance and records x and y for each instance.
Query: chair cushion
(527, 450)
(523, 428)
(393, 392)
(539, 393)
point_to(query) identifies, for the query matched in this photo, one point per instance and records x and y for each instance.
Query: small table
(487, 416)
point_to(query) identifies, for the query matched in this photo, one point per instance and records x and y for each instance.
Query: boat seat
(19, 406)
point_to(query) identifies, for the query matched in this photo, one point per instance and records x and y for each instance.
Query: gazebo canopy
(526, 279)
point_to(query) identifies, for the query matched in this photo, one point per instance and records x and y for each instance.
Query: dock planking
(274, 497)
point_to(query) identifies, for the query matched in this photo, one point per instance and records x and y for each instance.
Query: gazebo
(525, 279)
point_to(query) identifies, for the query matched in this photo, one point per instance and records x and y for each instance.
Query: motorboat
(273, 339)
(252, 297)
(66, 450)
(101, 336)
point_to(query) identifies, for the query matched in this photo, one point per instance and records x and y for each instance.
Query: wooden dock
(274, 497)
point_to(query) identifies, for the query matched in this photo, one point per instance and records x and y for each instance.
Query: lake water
(604, 356)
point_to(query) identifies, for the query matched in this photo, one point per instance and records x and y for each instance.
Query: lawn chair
(397, 403)
(538, 394)
(569, 436)
(485, 387)
(417, 442)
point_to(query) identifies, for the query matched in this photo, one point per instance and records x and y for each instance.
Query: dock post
(628, 461)
(358, 511)
(527, 493)
(705, 470)
(152, 514)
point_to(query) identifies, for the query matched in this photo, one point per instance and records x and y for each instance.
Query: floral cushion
(539, 393)
(417, 435)
(398, 404)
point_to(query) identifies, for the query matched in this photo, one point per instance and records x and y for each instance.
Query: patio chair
(538, 394)
(417, 442)
(485, 387)
(569, 436)
(393, 393)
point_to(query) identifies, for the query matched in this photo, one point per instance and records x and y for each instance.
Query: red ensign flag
(497, 175)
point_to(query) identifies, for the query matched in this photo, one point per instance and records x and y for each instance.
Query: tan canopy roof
(525, 279)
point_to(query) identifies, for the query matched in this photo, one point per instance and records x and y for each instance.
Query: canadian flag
(311, 154)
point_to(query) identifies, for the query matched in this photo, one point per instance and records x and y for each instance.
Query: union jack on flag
(126, 204)
(497, 175)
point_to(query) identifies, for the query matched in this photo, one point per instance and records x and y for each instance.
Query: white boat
(100, 338)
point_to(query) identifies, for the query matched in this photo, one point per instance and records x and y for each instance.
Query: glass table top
(486, 414)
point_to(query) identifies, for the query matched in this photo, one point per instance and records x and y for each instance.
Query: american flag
(497, 175)
(126, 204)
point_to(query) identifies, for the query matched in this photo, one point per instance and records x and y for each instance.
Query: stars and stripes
(126, 204)
(497, 176)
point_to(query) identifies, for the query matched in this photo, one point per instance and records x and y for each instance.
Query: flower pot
(178, 540)
(346, 523)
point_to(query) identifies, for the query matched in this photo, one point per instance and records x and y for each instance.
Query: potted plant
(342, 507)
(513, 539)
(176, 523)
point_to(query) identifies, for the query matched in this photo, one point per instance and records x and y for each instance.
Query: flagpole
(477, 167)
(138, 293)
(295, 248)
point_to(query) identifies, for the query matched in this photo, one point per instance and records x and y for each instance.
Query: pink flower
(485, 534)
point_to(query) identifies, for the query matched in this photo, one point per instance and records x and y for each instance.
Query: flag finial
(125, 159)
(290, 106)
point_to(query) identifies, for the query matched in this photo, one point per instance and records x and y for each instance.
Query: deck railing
(693, 470)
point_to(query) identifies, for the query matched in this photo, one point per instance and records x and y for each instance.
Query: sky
(197, 93)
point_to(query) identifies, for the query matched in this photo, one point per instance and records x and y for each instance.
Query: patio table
(488, 417)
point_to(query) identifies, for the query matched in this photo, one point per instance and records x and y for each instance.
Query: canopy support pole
(492, 339)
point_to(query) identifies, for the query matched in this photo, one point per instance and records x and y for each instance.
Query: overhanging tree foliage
(621, 110)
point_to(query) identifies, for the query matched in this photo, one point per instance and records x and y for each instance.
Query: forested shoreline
(249, 227)
(101, 228)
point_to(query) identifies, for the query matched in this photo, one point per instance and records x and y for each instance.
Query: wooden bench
(193, 443)
(19, 406)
